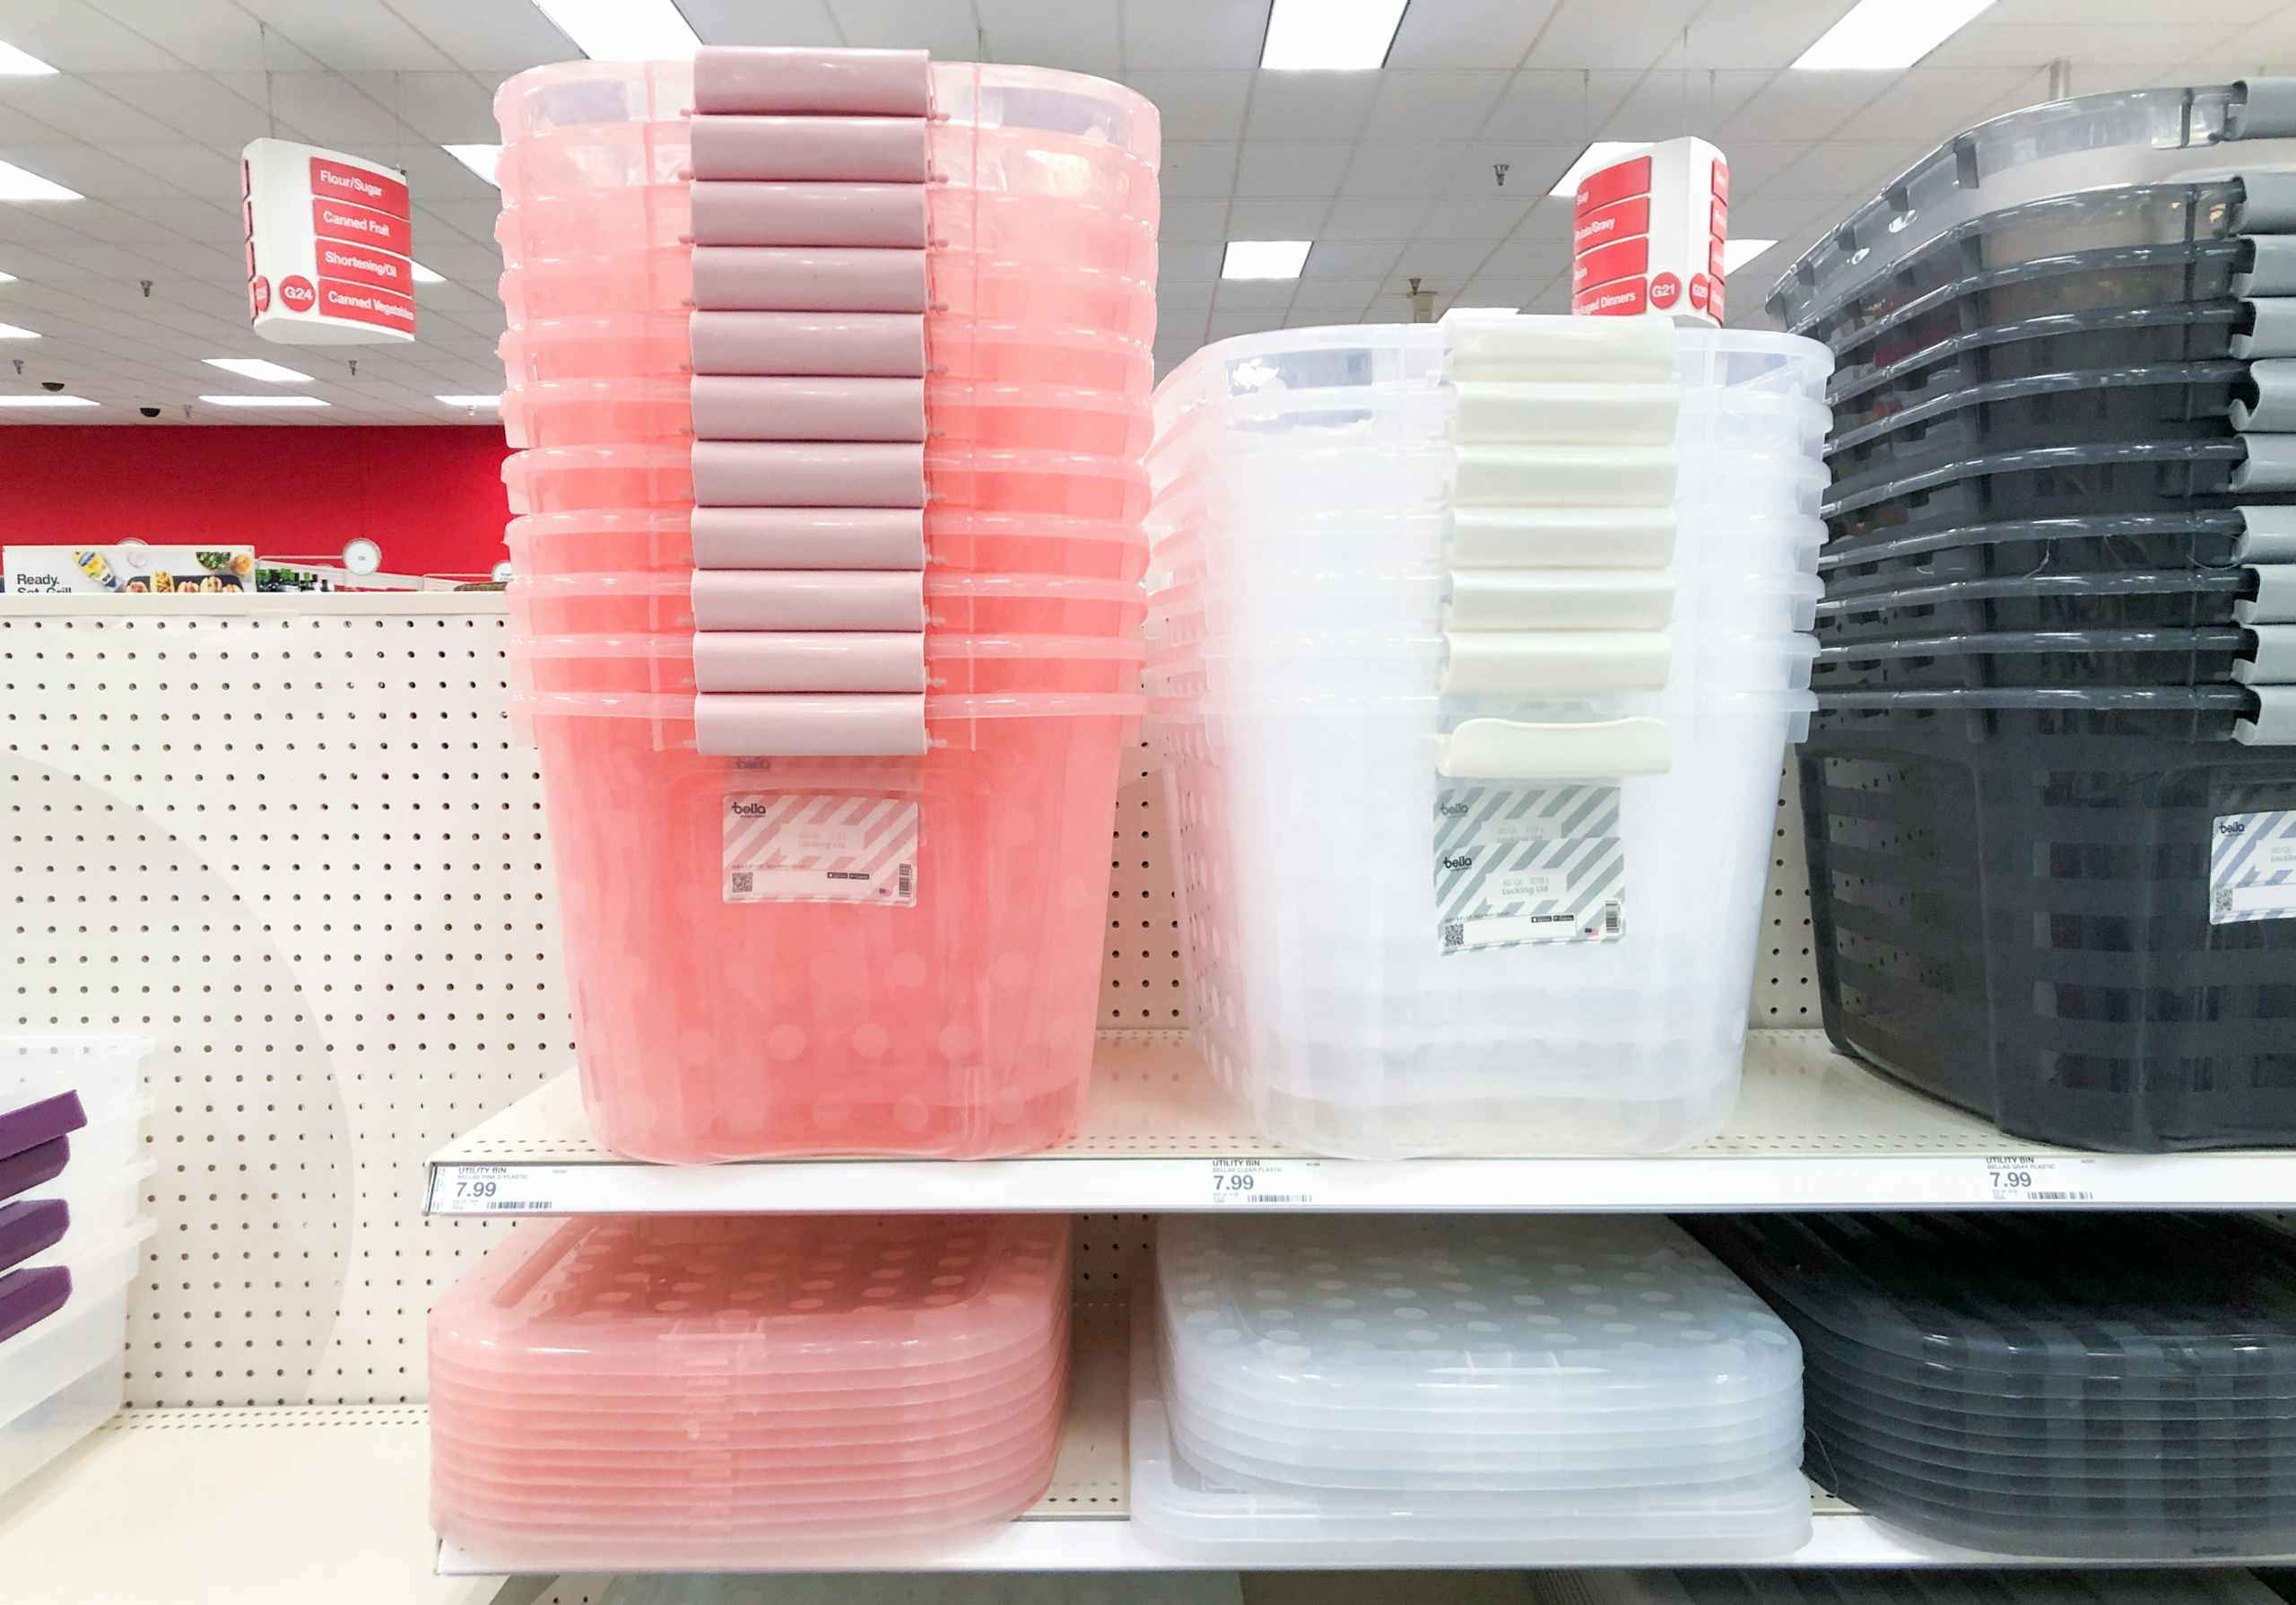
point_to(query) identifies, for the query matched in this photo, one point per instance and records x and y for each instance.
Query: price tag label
(1280, 1182)
(492, 1190)
(2039, 1178)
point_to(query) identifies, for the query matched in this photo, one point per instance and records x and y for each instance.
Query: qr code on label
(1455, 934)
(745, 882)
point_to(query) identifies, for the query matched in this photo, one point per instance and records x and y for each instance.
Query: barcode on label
(1276, 1197)
(745, 882)
(906, 882)
(2059, 1198)
(1610, 919)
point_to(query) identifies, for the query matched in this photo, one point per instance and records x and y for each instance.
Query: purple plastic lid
(21, 1173)
(27, 1296)
(33, 1124)
(29, 1225)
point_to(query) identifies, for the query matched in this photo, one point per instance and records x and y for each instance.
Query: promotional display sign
(131, 566)
(329, 240)
(1647, 233)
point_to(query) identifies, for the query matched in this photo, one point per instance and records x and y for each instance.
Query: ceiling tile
(1475, 217)
(1433, 105)
(443, 107)
(753, 22)
(1606, 33)
(1932, 104)
(1204, 168)
(1226, 326)
(1755, 33)
(1080, 36)
(1309, 105)
(1280, 167)
(1350, 260)
(76, 110)
(1449, 260)
(1400, 169)
(1835, 169)
(1531, 169)
(1192, 220)
(1253, 295)
(1793, 106)
(1983, 44)
(1193, 33)
(1548, 108)
(1668, 105)
(934, 25)
(1193, 296)
(1263, 219)
(1488, 291)
(2201, 14)
(1346, 296)
(501, 37)
(1187, 260)
(324, 107)
(74, 36)
(1196, 105)
(349, 36)
(191, 105)
(1468, 33)
(1375, 216)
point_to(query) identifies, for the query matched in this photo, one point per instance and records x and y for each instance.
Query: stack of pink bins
(624, 1393)
(832, 370)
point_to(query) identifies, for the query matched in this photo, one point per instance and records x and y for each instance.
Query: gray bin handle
(2274, 724)
(2274, 411)
(2266, 109)
(2269, 534)
(2271, 266)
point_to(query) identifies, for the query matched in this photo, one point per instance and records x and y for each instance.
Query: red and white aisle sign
(1647, 233)
(328, 240)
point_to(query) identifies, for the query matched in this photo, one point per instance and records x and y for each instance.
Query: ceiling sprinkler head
(147, 288)
(1499, 171)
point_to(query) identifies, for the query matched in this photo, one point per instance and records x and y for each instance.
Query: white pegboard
(292, 840)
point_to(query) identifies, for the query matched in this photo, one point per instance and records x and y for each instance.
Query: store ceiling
(1390, 172)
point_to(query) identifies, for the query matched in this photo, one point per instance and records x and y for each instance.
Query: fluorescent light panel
(1265, 259)
(423, 276)
(1737, 253)
(7, 278)
(1881, 35)
(17, 185)
(1600, 154)
(622, 30)
(20, 64)
(480, 159)
(9, 331)
(473, 401)
(1325, 36)
(44, 401)
(270, 373)
(262, 401)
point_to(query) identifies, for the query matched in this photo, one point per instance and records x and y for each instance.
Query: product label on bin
(809, 847)
(1520, 864)
(2252, 868)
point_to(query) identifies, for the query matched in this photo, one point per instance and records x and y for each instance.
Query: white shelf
(259, 1506)
(1813, 1131)
(1082, 1523)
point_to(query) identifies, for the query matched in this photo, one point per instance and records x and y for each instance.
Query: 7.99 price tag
(1278, 1183)
(2037, 1179)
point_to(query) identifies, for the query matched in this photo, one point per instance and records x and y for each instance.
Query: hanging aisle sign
(328, 240)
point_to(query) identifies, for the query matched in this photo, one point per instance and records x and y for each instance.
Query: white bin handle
(1555, 662)
(1513, 345)
(1504, 749)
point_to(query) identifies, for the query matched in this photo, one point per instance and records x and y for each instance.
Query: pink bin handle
(802, 660)
(794, 474)
(727, 408)
(871, 345)
(808, 537)
(843, 82)
(783, 725)
(808, 279)
(882, 150)
(738, 211)
(808, 599)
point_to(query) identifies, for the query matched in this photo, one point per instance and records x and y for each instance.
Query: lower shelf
(1082, 1523)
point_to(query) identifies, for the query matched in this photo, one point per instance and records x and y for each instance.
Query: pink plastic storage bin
(953, 603)
(600, 412)
(574, 478)
(642, 542)
(952, 663)
(660, 345)
(958, 283)
(1073, 110)
(961, 1026)
(658, 215)
(660, 1393)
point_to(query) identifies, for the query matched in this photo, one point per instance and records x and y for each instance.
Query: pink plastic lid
(749, 78)
(679, 719)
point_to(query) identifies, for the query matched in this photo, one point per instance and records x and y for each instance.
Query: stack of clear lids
(2113, 1386)
(1477, 647)
(2225, 1587)
(1414, 1391)
(2049, 788)
(832, 371)
(633, 1393)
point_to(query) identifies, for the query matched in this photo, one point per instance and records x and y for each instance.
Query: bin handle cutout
(1505, 749)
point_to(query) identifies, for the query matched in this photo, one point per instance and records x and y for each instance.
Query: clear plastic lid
(105, 1071)
(1003, 1588)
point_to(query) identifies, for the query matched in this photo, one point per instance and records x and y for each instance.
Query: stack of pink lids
(631, 1393)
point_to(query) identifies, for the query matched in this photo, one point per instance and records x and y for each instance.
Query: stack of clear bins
(2103, 1386)
(1477, 647)
(633, 1394)
(1390, 1391)
(2223, 1586)
(2048, 790)
(70, 1237)
(813, 945)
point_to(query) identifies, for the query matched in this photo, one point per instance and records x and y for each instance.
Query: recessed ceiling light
(17, 185)
(1879, 35)
(20, 64)
(622, 30)
(423, 276)
(472, 401)
(1737, 253)
(9, 331)
(7, 278)
(44, 401)
(480, 159)
(271, 373)
(262, 401)
(1265, 259)
(1327, 35)
(1600, 154)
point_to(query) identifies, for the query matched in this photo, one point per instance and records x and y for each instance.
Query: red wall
(431, 498)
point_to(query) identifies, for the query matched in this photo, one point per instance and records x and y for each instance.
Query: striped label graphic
(1521, 864)
(2252, 867)
(805, 847)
